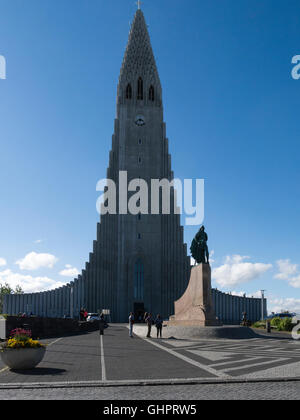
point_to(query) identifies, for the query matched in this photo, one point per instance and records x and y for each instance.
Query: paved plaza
(115, 366)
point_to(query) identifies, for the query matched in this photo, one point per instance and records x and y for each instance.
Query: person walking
(81, 314)
(159, 325)
(85, 315)
(131, 322)
(101, 324)
(149, 322)
(145, 316)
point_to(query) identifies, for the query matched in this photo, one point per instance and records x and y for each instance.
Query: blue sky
(232, 114)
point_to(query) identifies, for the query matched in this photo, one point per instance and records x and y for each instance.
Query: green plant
(20, 339)
(5, 289)
(259, 324)
(275, 322)
(286, 324)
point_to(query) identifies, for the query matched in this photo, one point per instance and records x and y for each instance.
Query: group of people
(150, 321)
(83, 314)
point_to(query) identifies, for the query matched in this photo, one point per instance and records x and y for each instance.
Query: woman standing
(159, 325)
(131, 322)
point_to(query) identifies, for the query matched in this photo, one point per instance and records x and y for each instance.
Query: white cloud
(288, 272)
(28, 283)
(34, 261)
(286, 269)
(255, 294)
(235, 259)
(295, 282)
(284, 304)
(38, 241)
(2, 262)
(69, 271)
(236, 271)
(241, 294)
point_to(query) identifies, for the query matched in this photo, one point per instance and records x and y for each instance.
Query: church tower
(139, 261)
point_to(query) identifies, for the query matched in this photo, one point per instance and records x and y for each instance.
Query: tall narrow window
(139, 281)
(140, 94)
(151, 93)
(129, 91)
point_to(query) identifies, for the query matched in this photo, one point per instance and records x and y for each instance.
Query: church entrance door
(139, 311)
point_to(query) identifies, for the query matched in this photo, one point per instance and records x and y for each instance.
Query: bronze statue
(199, 249)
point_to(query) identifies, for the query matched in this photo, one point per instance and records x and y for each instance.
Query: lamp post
(262, 303)
(72, 300)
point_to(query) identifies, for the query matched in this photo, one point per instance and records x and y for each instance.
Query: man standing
(149, 322)
(131, 322)
(159, 325)
(101, 324)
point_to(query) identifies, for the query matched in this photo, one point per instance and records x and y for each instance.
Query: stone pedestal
(195, 307)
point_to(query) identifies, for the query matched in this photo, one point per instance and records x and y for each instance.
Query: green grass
(259, 324)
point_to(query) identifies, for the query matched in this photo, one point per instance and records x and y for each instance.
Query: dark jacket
(159, 322)
(149, 320)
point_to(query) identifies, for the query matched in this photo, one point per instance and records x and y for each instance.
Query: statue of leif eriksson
(199, 248)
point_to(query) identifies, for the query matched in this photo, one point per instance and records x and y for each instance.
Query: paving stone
(72, 360)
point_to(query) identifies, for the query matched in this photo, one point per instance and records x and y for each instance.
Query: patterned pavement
(264, 358)
(105, 365)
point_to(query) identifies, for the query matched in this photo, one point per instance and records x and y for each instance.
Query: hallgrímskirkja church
(139, 261)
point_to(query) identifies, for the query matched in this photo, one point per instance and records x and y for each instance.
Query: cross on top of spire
(139, 4)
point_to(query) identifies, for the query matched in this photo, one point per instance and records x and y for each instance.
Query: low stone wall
(199, 333)
(49, 327)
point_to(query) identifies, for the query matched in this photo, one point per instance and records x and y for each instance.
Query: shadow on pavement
(39, 371)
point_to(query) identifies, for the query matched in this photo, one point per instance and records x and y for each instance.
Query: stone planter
(21, 359)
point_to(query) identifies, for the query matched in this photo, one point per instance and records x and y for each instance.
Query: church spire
(139, 69)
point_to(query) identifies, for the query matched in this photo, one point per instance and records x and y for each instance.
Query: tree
(18, 290)
(5, 289)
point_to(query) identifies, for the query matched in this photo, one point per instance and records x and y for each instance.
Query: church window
(140, 94)
(151, 93)
(139, 281)
(129, 91)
